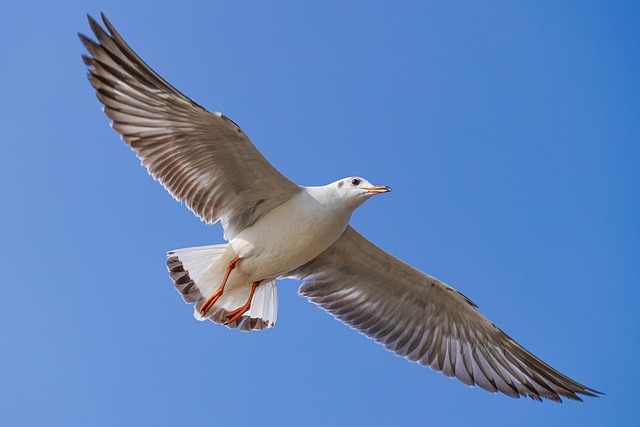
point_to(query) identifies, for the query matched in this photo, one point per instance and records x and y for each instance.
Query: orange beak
(378, 189)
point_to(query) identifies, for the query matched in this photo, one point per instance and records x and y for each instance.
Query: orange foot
(238, 312)
(213, 298)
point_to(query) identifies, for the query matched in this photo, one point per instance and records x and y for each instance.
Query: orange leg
(213, 298)
(238, 312)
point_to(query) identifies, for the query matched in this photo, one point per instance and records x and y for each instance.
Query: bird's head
(356, 190)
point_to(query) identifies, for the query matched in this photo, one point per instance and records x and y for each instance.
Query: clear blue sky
(509, 131)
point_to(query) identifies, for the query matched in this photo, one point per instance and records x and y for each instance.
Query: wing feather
(424, 320)
(201, 158)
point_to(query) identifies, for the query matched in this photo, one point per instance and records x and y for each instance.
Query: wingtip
(94, 23)
(87, 42)
(90, 19)
(108, 24)
(593, 393)
(88, 61)
(82, 37)
(576, 395)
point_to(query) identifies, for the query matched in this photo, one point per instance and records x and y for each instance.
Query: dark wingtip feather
(104, 18)
(92, 22)
(96, 28)
(87, 60)
(86, 41)
(109, 26)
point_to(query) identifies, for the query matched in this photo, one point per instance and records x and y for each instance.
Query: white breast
(289, 236)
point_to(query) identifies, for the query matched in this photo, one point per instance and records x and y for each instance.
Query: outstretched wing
(424, 320)
(201, 158)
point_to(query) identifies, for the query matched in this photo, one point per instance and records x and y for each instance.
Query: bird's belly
(283, 240)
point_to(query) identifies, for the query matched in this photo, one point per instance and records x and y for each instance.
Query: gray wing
(201, 158)
(424, 320)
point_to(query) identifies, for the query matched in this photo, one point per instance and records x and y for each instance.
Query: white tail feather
(197, 275)
(198, 262)
(265, 303)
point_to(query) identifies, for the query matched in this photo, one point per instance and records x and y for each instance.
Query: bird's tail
(197, 273)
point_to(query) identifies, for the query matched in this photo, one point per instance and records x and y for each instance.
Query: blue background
(509, 132)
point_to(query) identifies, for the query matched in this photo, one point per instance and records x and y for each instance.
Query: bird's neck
(329, 202)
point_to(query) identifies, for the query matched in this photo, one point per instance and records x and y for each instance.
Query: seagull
(277, 229)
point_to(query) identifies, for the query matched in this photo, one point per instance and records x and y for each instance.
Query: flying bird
(278, 229)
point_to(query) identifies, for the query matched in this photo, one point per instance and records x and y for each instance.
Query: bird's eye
(355, 181)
